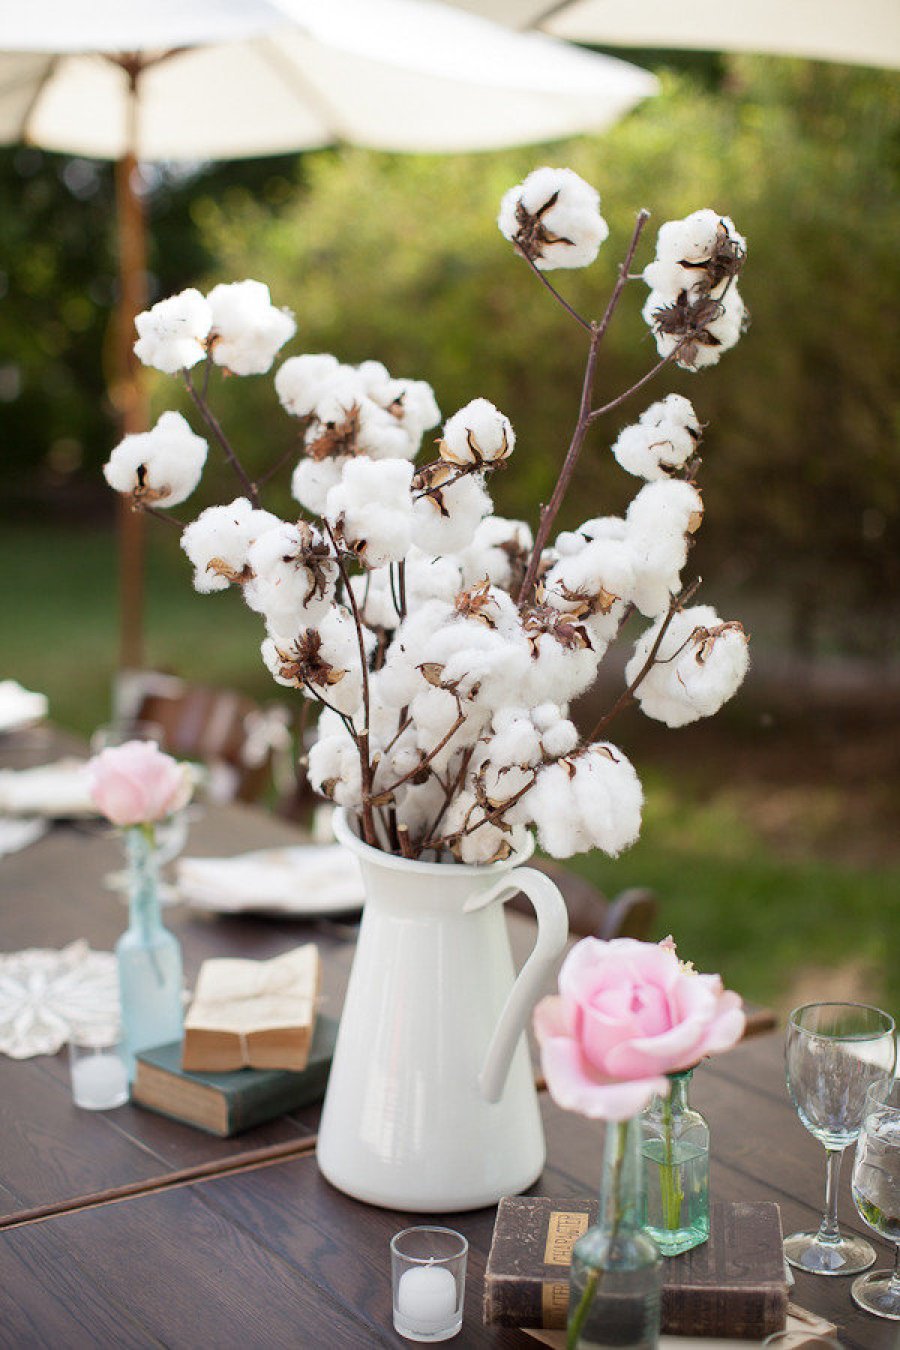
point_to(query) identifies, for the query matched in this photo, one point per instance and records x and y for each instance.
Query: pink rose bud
(136, 784)
(627, 1014)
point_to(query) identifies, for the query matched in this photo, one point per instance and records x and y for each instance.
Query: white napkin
(52, 790)
(303, 881)
(17, 834)
(19, 707)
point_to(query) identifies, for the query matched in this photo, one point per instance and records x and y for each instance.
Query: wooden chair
(631, 914)
(237, 739)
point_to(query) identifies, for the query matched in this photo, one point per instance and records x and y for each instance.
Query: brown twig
(362, 739)
(627, 696)
(553, 291)
(598, 331)
(425, 760)
(214, 425)
(160, 515)
(645, 379)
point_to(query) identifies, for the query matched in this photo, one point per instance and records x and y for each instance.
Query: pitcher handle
(553, 930)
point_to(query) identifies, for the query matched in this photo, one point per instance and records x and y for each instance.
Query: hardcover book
(227, 1103)
(253, 1014)
(733, 1285)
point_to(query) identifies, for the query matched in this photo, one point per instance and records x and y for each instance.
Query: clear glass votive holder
(99, 1074)
(428, 1269)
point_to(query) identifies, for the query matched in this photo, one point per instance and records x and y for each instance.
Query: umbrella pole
(130, 395)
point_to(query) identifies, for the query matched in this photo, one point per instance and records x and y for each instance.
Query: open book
(256, 1014)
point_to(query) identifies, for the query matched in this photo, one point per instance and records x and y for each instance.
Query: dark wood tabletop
(126, 1229)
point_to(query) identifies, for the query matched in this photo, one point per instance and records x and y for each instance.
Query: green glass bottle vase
(614, 1287)
(676, 1154)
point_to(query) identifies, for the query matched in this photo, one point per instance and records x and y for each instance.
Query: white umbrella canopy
(272, 76)
(133, 80)
(865, 32)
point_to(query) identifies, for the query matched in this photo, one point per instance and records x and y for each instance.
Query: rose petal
(573, 1090)
(552, 1017)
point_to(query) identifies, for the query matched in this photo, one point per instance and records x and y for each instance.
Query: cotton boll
(591, 582)
(313, 479)
(400, 678)
(218, 541)
(172, 335)
(559, 671)
(417, 805)
(571, 542)
(499, 551)
(653, 451)
(554, 219)
(381, 435)
(609, 798)
(247, 330)
(699, 254)
(430, 578)
(446, 521)
(702, 329)
(334, 769)
(371, 509)
(592, 799)
(303, 380)
(321, 661)
(484, 843)
(700, 664)
(660, 519)
(418, 409)
(478, 434)
(560, 737)
(160, 467)
(294, 577)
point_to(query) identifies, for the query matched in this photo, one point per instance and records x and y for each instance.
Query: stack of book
(253, 1046)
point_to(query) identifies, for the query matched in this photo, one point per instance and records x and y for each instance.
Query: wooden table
(241, 1242)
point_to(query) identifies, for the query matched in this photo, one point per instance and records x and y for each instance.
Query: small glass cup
(99, 1075)
(428, 1268)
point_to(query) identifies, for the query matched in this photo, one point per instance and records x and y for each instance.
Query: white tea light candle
(99, 1081)
(426, 1298)
(429, 1278)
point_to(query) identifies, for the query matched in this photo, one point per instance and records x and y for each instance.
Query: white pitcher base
(435, 1202)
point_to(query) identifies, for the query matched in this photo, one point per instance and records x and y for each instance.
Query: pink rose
(627, 1014)
(136, 784)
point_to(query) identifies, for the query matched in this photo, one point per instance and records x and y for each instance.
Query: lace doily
(50, 997)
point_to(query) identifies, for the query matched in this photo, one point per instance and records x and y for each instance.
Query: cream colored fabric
(308, 880)
(51, 790)
(48, 997)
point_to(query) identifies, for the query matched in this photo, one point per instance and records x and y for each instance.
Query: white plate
(19, 707)
(55, 791)
(308, 881)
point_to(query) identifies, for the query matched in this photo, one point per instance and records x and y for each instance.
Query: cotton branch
(362, 738)
(627, 696)
(598, 332)
(215, 427)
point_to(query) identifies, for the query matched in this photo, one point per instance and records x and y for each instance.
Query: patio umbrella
(222, 79)
(866, 32)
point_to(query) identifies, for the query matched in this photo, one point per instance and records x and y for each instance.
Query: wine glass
(876, 1194)
(834, 1052)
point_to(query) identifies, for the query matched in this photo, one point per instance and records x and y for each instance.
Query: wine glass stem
(895, 1277)
(828, 1228)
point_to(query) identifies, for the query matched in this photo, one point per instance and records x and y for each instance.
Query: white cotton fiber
(218, 541)
(554, 217)
(303, 380)
(172, 334)
(247, 330)
(478, 434)
(372, 509)
(160, 467)
(700, 664)
(293, 577)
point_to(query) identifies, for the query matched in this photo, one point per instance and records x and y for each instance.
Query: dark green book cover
(227, 1103)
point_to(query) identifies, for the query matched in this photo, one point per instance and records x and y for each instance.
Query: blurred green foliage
(397, 258)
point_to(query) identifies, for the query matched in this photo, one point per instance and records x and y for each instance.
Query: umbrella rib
(49, 71)
(292, 76)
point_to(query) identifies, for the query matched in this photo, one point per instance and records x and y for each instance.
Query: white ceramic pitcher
(431, 1103)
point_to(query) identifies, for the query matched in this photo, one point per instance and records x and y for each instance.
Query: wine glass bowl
(876, 1194)
(834, 1054)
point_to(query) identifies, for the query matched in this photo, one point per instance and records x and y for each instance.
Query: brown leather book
(732, 1285)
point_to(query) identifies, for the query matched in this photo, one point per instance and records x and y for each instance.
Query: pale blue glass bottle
(614, 1284)
(676, 1151)
(149, 957)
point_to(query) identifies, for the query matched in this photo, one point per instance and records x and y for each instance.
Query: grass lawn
(780, 925)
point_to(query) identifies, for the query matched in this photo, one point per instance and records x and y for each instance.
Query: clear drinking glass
(99, 1076)
(835, 1052)
(428, 1269)
(876, 1194)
